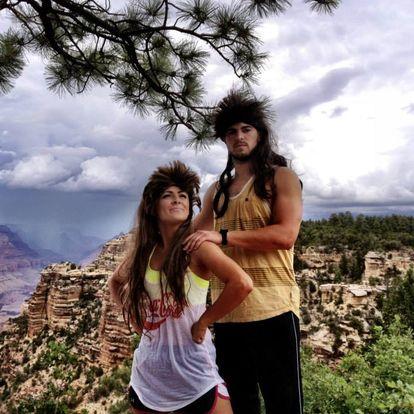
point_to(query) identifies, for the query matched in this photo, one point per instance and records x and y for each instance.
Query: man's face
(241, 139)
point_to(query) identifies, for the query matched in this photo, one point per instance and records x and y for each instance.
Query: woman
(162, 290)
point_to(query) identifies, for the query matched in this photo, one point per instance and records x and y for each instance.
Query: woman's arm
(117, 282)
(237, 283)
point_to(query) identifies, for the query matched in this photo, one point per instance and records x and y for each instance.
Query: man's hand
(193, 242)
(198, 332)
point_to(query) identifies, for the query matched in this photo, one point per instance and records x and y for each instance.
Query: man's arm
(205, 219)
(281, 234)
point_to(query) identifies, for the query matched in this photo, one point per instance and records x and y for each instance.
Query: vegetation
(47, 403)
(399, 300)
(115, 382)
(152, 53)
(379, 380)
(359, 234)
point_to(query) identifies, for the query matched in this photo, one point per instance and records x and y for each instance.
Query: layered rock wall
(335, 316)
(317, 258)
(115, 335)
(377, 264)
(67, 297)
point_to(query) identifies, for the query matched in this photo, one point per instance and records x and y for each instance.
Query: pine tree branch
(140, 52)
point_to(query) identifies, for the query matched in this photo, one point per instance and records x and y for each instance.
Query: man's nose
(239, 134)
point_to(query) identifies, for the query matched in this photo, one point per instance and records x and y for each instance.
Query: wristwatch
(223, 233)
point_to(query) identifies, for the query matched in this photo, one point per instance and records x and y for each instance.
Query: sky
(342, 90)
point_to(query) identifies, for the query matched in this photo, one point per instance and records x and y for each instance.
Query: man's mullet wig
(241, 106)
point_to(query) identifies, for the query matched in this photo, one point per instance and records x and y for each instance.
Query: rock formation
(71, 318)
(56, 302)
(318, 258)
(14, 253)
(377, 264)
(61, 301)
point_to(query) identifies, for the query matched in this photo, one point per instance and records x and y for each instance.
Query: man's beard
(242, 158)
(245, 157)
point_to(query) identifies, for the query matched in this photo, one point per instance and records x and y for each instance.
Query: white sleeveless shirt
(169, 370)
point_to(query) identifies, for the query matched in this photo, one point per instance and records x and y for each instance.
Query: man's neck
(243, 170)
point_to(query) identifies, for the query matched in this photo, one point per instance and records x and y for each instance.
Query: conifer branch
(137, 51)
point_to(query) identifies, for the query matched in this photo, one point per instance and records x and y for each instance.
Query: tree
(400, 299)
(344, 265)
(152, 52)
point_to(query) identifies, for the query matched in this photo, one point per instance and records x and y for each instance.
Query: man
(255, 211)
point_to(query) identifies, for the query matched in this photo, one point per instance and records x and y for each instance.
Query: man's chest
(238, 186)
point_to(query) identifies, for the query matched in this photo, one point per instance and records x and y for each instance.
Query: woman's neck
(167, 235)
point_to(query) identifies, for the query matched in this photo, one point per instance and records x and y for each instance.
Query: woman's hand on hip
(198, 332)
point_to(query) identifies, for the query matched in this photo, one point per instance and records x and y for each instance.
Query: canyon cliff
(69, 296)
(70, 333)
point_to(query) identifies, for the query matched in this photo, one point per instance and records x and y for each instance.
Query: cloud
(409, 109)
(39, 171)
(390, 187)
(342, 96)
(338, 111)
(6, 157)
(301, 101)
(100, 174)
(46, 168)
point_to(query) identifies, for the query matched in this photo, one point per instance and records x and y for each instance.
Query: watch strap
(223, 233)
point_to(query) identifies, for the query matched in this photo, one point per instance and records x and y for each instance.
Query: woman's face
(173, 207)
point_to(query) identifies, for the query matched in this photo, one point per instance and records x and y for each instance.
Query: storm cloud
(341, 89)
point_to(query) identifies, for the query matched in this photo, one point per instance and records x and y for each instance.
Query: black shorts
(202, 405)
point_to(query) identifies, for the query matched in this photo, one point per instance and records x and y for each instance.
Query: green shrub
(377, 381)
(400, 300)
(22, 323)
(120, 407)
(357, 324)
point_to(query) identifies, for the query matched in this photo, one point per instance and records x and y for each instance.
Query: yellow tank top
(275, 290)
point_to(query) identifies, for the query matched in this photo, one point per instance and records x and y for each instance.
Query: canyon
(71, 303)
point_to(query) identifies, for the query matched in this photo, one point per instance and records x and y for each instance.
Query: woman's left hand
(198, 332)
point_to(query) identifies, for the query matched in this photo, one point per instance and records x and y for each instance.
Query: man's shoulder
(285, 176)
(212, 188)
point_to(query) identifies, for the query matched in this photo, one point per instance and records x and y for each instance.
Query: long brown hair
(145, 236)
